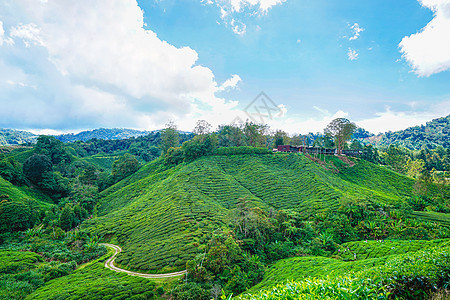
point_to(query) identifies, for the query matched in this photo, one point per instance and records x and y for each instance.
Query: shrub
(241, 150)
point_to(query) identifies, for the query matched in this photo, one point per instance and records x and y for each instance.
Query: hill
(431, 135)
(102, 134)
(160, 215)
(16, 137)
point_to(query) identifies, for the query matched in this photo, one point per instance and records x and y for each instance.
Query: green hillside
(413, 275)
(368, 254)
(16, 137)
(16, 194)
(432, 134)
(93, 281)
(160, 215)
(101, 133)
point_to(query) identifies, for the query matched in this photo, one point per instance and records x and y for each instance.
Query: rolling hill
(161, 214)
(16, 137)
(432, 134)
(103, 134)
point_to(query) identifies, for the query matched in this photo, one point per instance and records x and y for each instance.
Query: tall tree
(341, 131)
(35, 166)
(230, 135)
(280, 138)
(255, 134)
(52, 148)
(202, 127)
(126, 165)
(169, 137)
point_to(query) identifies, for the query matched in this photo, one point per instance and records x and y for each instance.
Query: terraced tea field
(160, 215)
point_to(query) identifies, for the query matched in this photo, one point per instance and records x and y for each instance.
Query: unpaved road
(110, 265)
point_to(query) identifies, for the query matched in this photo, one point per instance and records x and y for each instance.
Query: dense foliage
(431, 135)
(16, 137)
(38, 255)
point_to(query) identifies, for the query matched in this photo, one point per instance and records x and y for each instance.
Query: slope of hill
(432, 134)
(103, 134)
(16, 137)
(351, 257)
(160, 215)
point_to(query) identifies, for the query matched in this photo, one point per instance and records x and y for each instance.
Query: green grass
(432, 217)
(102, 161)
(94, 281)
(21, 154)
(375, 249)
(14, 267)
(15, 261)
(12, 193)
(159, 215)
(416, 258)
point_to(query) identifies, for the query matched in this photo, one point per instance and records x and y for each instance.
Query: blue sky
(75, 65)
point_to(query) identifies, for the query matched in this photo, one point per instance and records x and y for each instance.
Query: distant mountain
(16, 137)
(432, 134)
(103, 134)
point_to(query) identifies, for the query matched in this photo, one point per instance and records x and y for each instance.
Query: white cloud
(230, 83)
(356, 31)
(352, 54)
(94, 64)
(2, 33)
(390, 120)
(263, 5)
(238, 27)
(232, 12)
(3, 38)
(428, 51)
(29, 33)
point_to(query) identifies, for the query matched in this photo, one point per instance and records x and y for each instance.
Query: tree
(414, 168)
(341, 131)
(199, 146)
(230, 136)
(396, 158)
(356, 145)
(67, 218)
(89, 175)
(52, 148)
(370, 154)
(169, 137)
(123, 167)
(280, 138)
(35, 166)
(254, 134)
(11, 171)
(202, 127)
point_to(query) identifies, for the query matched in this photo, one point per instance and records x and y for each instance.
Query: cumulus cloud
(3, 37)
(262, 5)
(352, 54)
(428, 51)
(94, 64)
(2, 33)
(238, 27)
(231, 83)
(29, 33)
(390, 120)
(232, 12)
(356, 31)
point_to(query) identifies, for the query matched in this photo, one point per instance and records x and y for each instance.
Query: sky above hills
(79, 64)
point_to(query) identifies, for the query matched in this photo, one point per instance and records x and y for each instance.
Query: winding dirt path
(110, 265)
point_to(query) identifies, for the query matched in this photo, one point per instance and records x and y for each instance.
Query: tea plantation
(160, 215)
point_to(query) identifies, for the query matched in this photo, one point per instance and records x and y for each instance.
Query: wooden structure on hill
(315, 150)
